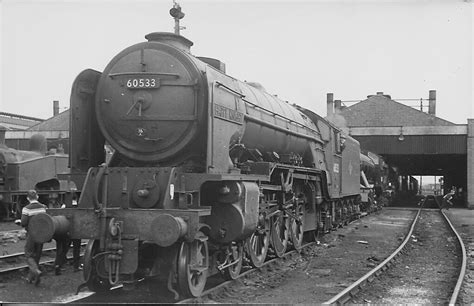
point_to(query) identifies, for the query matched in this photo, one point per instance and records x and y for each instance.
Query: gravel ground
(315, 276)
(12, 286)
(323, 270)
(463, 221)
(14, 289)
(426, 273)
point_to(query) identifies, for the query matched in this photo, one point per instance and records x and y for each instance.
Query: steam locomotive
(206, 169)
(375, 180)
(22, 170)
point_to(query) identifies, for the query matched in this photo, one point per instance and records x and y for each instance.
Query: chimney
(337, 105)
(38, 143)
(330, 104)
(175, 40)
(55, 108)
(213, 63)
(432, 105)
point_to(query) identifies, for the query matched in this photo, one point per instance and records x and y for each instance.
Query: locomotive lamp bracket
(98, 210)
(115, 227)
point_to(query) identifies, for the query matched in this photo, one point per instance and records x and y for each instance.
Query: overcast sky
(299, 50)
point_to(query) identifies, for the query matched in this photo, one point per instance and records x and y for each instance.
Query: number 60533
(142, 83)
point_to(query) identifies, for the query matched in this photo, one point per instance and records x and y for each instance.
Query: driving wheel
(280, 233)
(297, 227)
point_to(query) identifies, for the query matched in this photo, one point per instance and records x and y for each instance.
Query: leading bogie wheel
(236, 252)
(257, 244)
(192, 277)
(94, 269)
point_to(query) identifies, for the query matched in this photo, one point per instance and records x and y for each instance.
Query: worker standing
(63, 243)
(32, 249)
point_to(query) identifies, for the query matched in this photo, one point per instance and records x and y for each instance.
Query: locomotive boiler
(206, 169)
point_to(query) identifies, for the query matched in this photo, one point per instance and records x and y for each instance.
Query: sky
(298, 50)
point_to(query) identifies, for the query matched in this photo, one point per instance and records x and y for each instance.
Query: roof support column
(470, 163)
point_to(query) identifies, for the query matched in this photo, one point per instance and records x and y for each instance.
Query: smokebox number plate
(140, 83)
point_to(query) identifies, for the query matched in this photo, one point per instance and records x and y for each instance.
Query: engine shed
(413, 141)
(54, 129)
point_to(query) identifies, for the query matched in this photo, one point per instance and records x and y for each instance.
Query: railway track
(242, 275)
(214, 283)
(360, 290)
(15, 262)
(160, 295)
(149, 290)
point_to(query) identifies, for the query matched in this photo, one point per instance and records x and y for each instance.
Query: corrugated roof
(59, 122)
(17, 122)
(380, 110)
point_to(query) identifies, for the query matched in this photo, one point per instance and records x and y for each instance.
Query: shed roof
(380, 110)
(59, 122)
(17, 122)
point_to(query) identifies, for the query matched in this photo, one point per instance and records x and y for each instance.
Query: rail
(462, 273)
(83, 296)
(347, 293)
(22, 266)
(9, 256)
(251, 270)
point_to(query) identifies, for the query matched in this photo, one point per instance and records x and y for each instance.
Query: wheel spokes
(257, 245)
(280, 233)
(297, 227)
(236, 252)
(94, 269)
(192, 277)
